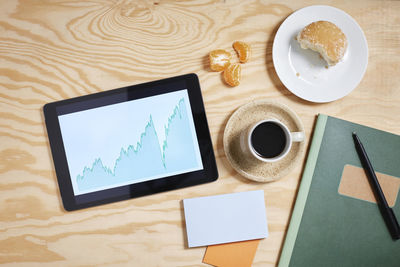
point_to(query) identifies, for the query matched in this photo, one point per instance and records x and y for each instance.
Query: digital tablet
(130, 142)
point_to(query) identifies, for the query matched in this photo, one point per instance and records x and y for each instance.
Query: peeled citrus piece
(219, 59)
(232, 74)
(243, 50)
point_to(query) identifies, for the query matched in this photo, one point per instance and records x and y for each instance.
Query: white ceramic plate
(304, 72)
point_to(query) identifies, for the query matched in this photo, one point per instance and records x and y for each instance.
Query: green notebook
(330, 228)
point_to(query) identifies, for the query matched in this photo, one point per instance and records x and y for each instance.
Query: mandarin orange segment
(243, 50)
(232, 74)
(219, 59)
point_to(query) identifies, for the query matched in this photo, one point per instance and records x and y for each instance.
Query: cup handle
(297, 136)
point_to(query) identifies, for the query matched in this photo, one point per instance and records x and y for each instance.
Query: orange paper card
(238, 254)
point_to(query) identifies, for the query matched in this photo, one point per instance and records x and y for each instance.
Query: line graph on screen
(147, 159)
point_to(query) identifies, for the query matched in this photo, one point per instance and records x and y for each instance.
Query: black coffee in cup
(268, 139)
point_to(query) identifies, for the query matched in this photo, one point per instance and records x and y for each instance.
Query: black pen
(386, 211)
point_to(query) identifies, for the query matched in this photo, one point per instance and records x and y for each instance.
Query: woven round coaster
(243, 118)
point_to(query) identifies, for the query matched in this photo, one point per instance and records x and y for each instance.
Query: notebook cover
(332, 229)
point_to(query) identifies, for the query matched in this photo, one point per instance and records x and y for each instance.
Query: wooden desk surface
(52, 50)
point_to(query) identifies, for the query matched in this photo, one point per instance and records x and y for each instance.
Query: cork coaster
(243, 118)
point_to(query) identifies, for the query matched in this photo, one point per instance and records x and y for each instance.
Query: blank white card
(225, 218)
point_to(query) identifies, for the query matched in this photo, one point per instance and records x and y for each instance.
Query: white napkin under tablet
(225, 218)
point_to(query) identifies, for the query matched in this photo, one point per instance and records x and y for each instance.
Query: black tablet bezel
(53, 110)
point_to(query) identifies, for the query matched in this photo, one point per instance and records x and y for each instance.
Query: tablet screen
(130, 142)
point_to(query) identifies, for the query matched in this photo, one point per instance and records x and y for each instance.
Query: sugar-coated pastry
(325, 38)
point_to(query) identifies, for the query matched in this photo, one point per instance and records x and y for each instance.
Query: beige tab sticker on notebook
(354, 183)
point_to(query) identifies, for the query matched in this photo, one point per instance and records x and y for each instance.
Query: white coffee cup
(268, 140)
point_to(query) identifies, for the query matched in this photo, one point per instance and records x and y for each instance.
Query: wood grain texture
(52, 50)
